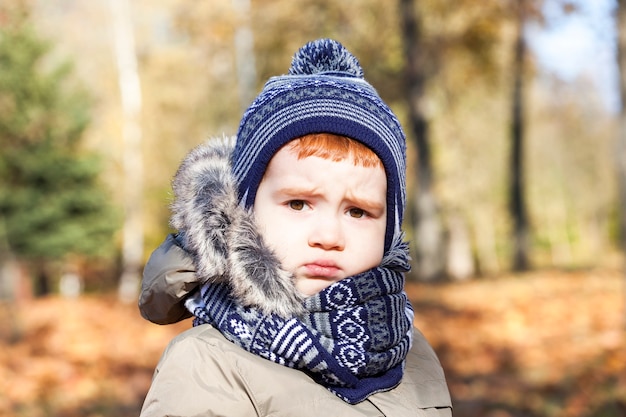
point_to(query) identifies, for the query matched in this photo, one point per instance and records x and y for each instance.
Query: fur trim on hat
(221, 235)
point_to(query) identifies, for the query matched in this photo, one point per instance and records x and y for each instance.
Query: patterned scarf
(353, 338)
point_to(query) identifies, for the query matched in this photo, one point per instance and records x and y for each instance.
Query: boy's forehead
(288, 166)
(334, 147)
(319, 179)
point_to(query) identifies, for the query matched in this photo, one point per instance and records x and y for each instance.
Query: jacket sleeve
(425, 377)
(168, 277)
(196, 378)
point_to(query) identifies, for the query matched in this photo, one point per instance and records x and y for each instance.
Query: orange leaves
(541, 344)
(77, 356)
(548, 343)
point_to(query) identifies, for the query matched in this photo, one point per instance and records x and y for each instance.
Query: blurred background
(516, 182)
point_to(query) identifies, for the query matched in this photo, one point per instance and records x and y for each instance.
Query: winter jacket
(203, 374)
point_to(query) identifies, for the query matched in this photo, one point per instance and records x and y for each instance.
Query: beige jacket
(203, 374)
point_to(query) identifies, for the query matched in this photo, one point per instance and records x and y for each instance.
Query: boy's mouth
(322, 269)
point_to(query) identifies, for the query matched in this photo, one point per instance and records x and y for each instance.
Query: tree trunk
(517, 201)
(428, 245)
(42, 279)
(460, 265)
(8, 275)
(10, 279)
(128, 76)
(244, 53)
(620, 153)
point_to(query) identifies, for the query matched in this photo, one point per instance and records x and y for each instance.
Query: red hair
(335, 148)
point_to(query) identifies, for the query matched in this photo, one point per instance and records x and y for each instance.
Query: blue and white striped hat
(324, 92)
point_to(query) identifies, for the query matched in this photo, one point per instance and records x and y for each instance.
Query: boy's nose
(327, 234)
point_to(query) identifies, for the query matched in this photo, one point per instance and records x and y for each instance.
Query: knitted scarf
(353, 338)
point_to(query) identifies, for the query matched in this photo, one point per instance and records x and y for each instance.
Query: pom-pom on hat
(323, 92)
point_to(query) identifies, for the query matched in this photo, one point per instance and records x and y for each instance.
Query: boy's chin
(311, 286)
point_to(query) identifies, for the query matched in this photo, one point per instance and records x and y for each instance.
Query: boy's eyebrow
(297, 191)
(367, 203)
(370, 204)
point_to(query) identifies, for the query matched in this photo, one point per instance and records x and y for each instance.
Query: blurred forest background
(517, 185)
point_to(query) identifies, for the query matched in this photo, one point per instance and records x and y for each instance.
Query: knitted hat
(324, 92)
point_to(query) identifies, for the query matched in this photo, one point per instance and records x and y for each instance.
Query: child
(290, 255)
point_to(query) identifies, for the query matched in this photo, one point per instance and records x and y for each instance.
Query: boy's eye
(296, 205)
(357, 213)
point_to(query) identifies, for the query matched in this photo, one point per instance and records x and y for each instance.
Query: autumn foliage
(540, 344)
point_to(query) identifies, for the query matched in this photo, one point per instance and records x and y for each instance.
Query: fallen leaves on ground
(540, 344)
(90, 356)
(537, 344)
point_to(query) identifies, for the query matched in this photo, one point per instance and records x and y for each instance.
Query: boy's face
(324, 219)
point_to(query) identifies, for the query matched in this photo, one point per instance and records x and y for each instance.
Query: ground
(546, 343)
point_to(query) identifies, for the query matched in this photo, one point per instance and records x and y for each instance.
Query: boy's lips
(322, 269)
